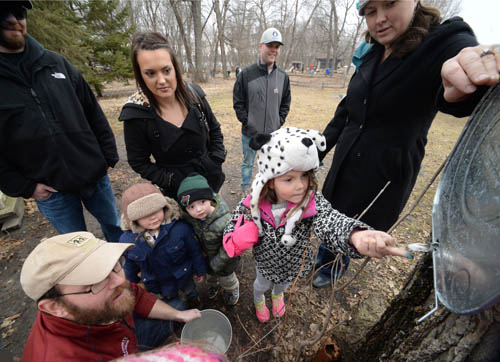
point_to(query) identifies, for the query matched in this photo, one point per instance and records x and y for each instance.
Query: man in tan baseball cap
(87, 309)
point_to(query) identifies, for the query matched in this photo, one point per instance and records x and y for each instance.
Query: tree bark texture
(443, 336)
(220, 31)
(198, 74)
(185, 41)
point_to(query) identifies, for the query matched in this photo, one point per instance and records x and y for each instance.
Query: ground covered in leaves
(354, 309)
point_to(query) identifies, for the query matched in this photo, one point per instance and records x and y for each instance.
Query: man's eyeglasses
(99, 287)
(18, 11)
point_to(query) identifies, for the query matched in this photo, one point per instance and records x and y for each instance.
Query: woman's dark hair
(424, 19)
(153, 41)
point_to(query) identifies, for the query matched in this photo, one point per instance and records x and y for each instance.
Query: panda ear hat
(284, 150)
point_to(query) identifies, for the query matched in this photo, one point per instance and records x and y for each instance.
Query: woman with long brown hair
(170, 120)
(380, 128)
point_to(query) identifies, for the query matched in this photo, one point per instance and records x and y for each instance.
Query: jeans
(326, 256)
(247, 163)
(152, 333)
(65, 211)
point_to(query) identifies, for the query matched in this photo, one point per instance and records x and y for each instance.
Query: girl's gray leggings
(261, 285)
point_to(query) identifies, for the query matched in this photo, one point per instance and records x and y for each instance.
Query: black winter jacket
(52, 130)
(380, 127)
(177, 151)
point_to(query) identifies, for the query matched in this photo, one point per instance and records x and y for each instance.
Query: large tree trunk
(184, 37)
(198, 74)
(220, 28)
(444, 336)
(329, 45)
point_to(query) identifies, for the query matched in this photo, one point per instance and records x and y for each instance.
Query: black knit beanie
(194, 187)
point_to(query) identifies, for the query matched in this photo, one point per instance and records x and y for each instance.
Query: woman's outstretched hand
(470, 68)
(376, 244)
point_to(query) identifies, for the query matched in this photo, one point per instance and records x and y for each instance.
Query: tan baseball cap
(72, 259)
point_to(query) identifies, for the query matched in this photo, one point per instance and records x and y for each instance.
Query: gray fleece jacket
(261, 99)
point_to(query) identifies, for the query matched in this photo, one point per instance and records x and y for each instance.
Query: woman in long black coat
(380, 128)
(170, 120)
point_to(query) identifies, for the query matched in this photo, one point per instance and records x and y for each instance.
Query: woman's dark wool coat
(380, 127)
(196, 146)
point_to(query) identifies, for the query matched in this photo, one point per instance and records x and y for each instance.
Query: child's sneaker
(231, 298)
(212, 292)
(278, 305)
(261, 311)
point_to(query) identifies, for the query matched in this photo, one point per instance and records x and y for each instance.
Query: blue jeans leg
(152, 333)
(64, 211)
(102, 205)
(247, 163)
(326, 256)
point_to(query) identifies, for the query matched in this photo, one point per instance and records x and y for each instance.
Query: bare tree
(214, 48)
(448, 8)
(333, 21)
(353, 43)
(198, 73)
(262, 6)
(152, 9)
(242, 30)
(300, 38)
(185, 40)
(294, 29)
(220, 30)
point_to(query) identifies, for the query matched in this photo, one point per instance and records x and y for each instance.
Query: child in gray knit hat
(166, 252)
(208, 214)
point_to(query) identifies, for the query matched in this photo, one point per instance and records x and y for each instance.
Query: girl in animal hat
(166, 252)
(285, 205)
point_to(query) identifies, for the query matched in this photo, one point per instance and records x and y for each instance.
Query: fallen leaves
(10, 320)
(7, 247)
(8, 323)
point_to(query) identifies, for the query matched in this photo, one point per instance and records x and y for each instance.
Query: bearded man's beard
(12, 43)
(111, 312)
